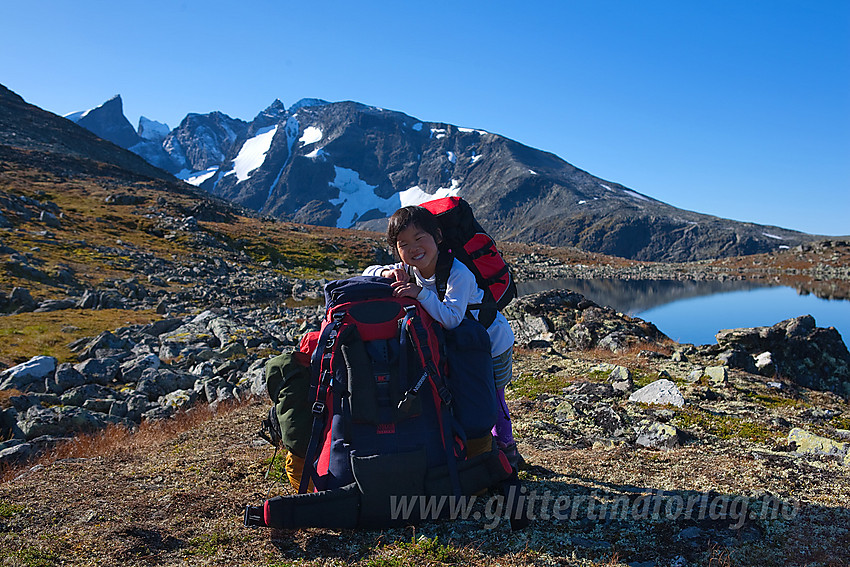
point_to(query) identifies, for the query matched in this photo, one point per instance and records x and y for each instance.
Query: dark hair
(412, 216)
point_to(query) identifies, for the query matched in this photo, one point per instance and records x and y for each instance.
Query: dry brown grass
(116, 439)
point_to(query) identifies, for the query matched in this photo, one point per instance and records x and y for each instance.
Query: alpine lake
(694, 311)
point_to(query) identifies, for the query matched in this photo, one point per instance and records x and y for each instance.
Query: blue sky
(739, 109)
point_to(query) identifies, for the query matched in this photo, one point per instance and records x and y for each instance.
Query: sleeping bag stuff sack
(385, 427)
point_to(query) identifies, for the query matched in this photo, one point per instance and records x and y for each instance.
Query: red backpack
(466, 240)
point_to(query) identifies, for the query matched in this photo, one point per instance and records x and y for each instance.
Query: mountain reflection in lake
(693, 312)
(635, 296)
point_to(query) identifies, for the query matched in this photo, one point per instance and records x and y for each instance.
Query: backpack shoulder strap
(445, 259)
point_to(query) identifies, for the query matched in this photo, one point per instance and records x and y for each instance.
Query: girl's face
(418, 248)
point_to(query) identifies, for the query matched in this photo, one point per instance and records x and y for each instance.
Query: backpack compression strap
(412, 325)
(322, 377)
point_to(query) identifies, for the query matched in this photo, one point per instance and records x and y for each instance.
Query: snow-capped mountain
(347, 164)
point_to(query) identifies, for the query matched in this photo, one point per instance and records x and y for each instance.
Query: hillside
(157, 306)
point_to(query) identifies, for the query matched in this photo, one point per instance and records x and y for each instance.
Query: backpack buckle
(318, 408)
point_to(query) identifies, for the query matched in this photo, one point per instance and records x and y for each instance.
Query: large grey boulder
(156, 382)
(28, 376)
(811, 356)
(59, 421)
(65, 378)
(77, 396)
(99, 370)
(661, 392)
(131, 370)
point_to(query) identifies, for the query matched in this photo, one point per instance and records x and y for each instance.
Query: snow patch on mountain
(635, 195)
(475, 157)
(318, 153)
(196, 177)
(438, 133)
(416, 196)
(767, 234)
(417, 127)
(452, 157)
(75, 116)
(311, 135)
(253, 153)
(357, 197)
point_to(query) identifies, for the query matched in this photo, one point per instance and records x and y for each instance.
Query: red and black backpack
(466, 240)
(393, 398)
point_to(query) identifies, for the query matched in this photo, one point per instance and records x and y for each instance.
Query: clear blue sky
(735, 108)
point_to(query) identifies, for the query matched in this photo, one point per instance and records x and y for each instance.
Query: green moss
(8, 510)
(840, 422)
(209, 544)
(641, 379)
(723, 426)
(773, 401)
(530, 386)
(30, 557)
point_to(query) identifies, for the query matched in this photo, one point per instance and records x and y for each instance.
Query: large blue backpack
(393, 399)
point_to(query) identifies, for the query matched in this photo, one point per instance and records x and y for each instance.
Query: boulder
(718, 376)
(765, 365)
(16, 453)
(99, 370)
(809, 443)
(811, 356)
(179, 399)
(65, 378)
(131, 370)
(58, 421)
(28, 376)
(658, 436)
(77, 396)
(661, 392)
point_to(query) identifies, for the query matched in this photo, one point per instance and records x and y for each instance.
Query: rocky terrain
(137, 314)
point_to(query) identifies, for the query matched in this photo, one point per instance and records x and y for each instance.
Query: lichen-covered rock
(718, 376)
(809, 443)
(658, 436)
(661, 392)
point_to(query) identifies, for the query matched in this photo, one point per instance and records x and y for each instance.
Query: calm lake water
(692, 312)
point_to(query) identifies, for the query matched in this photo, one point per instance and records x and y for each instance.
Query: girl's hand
(397, 274)
(405, 289)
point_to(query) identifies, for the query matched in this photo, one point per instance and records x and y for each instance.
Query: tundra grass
(25, 335)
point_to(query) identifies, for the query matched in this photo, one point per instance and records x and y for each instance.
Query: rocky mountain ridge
(346, 164)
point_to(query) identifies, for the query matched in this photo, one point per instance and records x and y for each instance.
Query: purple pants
(503, 430)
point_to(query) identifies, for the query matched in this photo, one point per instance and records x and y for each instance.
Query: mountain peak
(308, 102)
(108, 122)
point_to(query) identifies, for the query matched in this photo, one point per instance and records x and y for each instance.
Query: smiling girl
(414, 235)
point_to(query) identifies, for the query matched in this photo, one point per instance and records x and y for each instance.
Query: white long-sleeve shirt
(461, 291)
